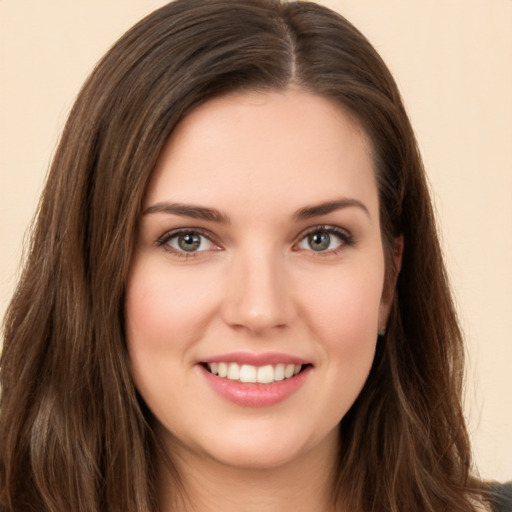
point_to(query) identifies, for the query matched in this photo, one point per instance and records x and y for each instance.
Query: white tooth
(279, 372)
(223, 369)
(233, 371)
(213, 367)
(248, 373)
(297, 369)
(288, 371)
(265, 374)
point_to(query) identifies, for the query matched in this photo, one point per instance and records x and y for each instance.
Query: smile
(255, 380)
(266, 374)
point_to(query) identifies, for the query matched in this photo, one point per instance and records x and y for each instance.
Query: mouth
(247, 373)
(255, 380)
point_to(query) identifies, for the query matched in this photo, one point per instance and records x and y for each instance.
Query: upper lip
(255, 359)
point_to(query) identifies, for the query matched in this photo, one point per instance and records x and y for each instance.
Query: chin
(265, 445)
(255, 456)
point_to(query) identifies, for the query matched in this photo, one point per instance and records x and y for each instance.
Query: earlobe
(390, 284)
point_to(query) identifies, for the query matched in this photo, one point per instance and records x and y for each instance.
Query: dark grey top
(501, 496)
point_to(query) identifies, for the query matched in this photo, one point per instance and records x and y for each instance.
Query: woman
(227, 302)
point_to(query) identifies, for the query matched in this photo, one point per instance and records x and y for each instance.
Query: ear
(388, 292)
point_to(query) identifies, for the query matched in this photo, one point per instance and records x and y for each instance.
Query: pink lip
(255, 359)
(253, 394)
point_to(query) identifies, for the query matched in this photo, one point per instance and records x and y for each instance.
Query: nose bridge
(257, 296)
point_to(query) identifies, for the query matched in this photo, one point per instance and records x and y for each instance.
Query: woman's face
(259, 255)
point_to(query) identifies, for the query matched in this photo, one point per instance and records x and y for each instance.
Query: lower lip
(256, 395)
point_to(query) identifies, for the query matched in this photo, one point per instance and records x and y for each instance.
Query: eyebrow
(186, 210)
(328, 207)
(214, 215)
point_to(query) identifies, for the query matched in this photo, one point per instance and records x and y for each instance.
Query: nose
(258, 297)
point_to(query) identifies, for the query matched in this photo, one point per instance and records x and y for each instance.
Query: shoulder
(501, 496)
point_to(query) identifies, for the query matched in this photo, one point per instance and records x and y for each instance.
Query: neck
(207, 485)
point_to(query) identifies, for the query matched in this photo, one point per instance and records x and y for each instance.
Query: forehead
(263, 148)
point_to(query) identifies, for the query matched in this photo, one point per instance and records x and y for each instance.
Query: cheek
(343, 317)
(351, 348)
(165, 314)
(344, 308)
(161, 307)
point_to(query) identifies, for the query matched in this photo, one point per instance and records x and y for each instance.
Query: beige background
(453, 62)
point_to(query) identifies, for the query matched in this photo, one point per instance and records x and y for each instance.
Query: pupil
(189, 242)
(319, 241)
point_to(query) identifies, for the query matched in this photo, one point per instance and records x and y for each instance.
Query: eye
(187, 242)
(325, 239)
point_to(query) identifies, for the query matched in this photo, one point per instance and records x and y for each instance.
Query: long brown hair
(74, 434)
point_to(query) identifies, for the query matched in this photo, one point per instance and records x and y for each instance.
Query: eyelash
(345, 237)
(164, 240)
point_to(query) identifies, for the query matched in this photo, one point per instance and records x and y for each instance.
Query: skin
(255, 284)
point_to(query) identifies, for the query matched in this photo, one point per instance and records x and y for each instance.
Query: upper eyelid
(330, 228)
(346, 237)
(178, 231)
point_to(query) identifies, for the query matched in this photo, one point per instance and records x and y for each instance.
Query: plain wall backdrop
(452, 60)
